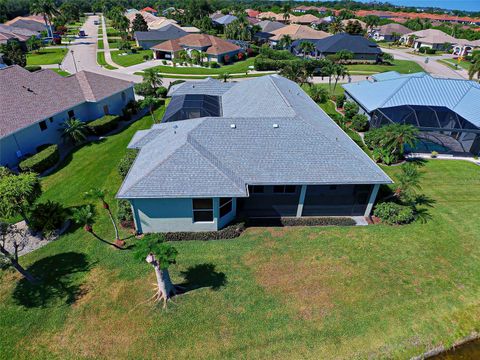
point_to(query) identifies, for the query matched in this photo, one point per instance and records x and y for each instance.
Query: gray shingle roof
(167, 32)
(32, 97)
(207, 157)
(343, 41)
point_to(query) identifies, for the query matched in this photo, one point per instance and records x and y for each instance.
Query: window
(202, 210)
(225, 206)
(257, 189)
(71, 114)
(51, 119)
(105, 109)
(43, 125)
(284, 189)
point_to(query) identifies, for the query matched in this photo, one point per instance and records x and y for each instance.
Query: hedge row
(229, 232)
(264, 64)
(103, 125)
(41, 161)
(303, 221)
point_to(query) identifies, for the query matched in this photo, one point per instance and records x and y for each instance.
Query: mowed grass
(102, 62)
(46, 56)
(312, 292)
(401, 66)
(238, 67)
(61, 72)
(129, 59)
(451, 64)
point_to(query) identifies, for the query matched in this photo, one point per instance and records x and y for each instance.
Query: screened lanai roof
(191, 106)
(460, 96)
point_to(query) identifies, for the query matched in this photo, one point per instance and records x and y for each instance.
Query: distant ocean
(466, 5)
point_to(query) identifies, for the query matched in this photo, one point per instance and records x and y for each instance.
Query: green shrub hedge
(47, 217)
(103, 125)
(230, 232)
(33, 68)
(41, 161)
(303, 221)
(394, 214)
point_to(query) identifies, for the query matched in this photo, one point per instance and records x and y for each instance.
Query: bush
(351, 109)
(394, 214)
(214, 65)
(302, 221)
(124, 214)
(41, 161)
(47, 217)
(176, 82)
(340, 101)
(43, 147)
(103, 125)
(162, 92)
(126, 162)
(360, 122)
(164, 62)
(130, 109)
(230, 232)
(33, 68)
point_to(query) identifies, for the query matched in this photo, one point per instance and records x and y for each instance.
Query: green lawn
(100, 44)
(238, 67)
(402, 66)
(342, 292)
(46, 56)
(130, 59)
(61, 72)
(451, 64)
(101, 61)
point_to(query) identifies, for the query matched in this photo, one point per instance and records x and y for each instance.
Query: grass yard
(61, 72)
(46, 56)
(342, 292)
(402, 66)
(238, 67)
(101, 61)
(451, 64)
(100, 44)
(130, 59)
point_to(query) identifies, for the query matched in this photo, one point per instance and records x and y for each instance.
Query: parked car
(81, 33)
(96, 22)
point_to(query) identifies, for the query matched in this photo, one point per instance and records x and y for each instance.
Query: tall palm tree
(287, 9)
(336, 26)
(153, 78)
(286, 41)
(74, 130)
(398, 135)
(47, 9)
(100, 194)
(307, 47)
(474, 67)
(339, 71)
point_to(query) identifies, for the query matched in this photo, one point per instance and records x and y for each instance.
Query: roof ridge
(284, 98)
(83, 82)
(472, 86)
(229, 173)
(407, 79)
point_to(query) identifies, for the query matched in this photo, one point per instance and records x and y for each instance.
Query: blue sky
(467, 5)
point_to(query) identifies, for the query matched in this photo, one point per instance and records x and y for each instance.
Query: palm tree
(336, 26)
(225, 76)
(100, 194)
(153, 78)
(306, 47)
(398, 136)
(408, 181)
(474, 67)
(339, 71)
(74, 130)
(286, 41)
(151, 103)
(287, 9)
(47, 9)
(85, 216)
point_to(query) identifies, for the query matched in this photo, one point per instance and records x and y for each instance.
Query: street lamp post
(74, 62)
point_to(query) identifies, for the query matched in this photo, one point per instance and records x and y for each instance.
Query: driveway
(433, 67)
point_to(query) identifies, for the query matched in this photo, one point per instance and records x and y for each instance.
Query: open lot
(342, 292)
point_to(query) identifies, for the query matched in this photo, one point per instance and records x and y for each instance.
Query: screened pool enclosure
(192, 106)
(439, 125)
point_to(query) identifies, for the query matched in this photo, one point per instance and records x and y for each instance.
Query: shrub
(130, 109)
(302, 221)
(43, 147)
(124, 213)
(4, 171)
(164, 62)
(351, 109)
(47, 217)
(434, 154)
(226, 59)
(146, 57)
(103, 125)
(230, 232)
(214, 65)
(33, 68)
(340, 101)
(360, 122)
(41, 161)
(319, 94)
(162, 92)
(394, 214)
(126, 162)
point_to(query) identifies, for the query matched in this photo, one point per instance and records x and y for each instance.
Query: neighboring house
(297, 32)
(363, 24)
(281, 156)
(267, 27)
(150, 10)
(160, 22)
(8, 32)
(252, 13)
(306, 19)
(215, 49)
(216, 15)
(389, 32)
(431, 38)
(147, 39)
(304, 9)
(362, 48)
(33, 23)
(447, 111)
(224, 20)
(40, 102)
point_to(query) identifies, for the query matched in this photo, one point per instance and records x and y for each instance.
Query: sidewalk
(106, 46)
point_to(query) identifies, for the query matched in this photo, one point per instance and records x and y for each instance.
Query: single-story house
(33, 23)
(215, 49)
(296, 31)
(225, 155)
(362, 48)
(267, 27)
(150, 10)
(389, 32)
(303, 9)
(147, 39)
(40, 102)
(252, 13)
(8, 32)
(431, 38)
(445, 110)
(224, 20)
(345, 22)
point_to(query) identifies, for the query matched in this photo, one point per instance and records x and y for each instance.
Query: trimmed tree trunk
(18, 267)
(164, 283)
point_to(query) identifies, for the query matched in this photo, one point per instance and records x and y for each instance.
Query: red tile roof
(149, 9)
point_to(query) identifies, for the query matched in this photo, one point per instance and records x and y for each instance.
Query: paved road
(433, 67)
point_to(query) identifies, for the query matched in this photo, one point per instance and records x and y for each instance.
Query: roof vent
(275, 126)
(233, 126)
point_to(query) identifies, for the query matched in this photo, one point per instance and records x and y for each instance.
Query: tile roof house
(438, 40)
(147, 39)
(389, 32)
(267, 151)
(447, 111)
(8, 32)
(39, 102)
(33, 23)
(297, 32)
(362, 48)
(216, 49)
(225, 20)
